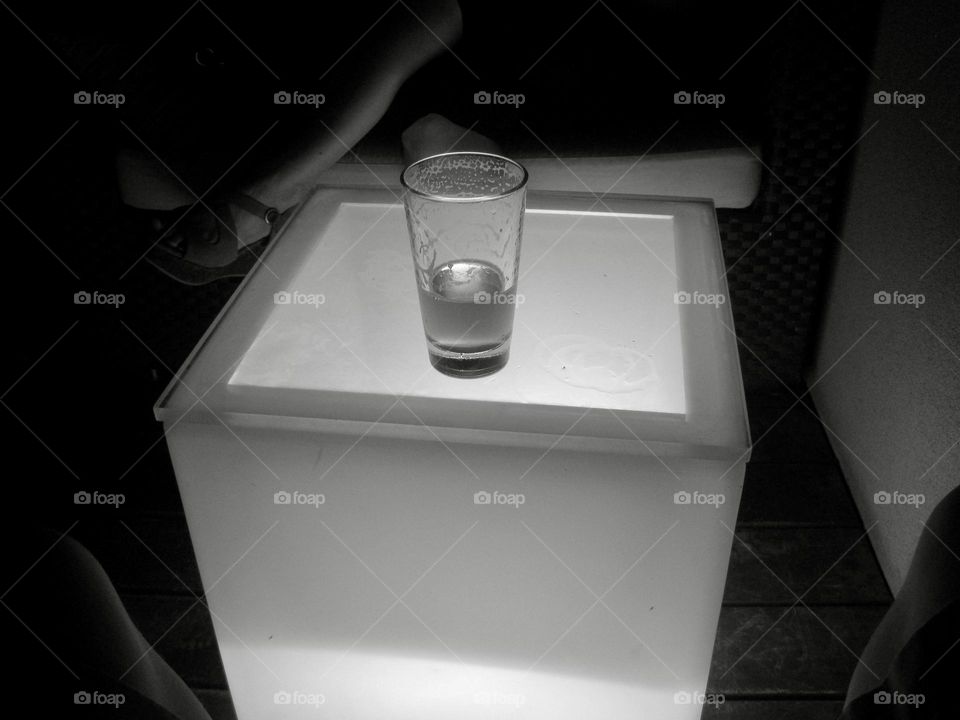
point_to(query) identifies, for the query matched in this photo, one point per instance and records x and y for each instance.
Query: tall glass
(465, 217)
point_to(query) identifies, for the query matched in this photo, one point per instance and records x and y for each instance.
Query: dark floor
(804, 590)
(803, 594)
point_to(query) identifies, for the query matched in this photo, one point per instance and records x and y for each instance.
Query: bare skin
(433, 134)
(67, 600)
(932, 582)
(361, 88)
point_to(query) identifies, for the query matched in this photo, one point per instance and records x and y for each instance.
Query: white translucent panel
(386, 588)
(327, 331)
(598, 325)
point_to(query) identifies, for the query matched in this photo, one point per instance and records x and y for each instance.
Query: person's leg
(358, 91)
(434, 134)
(146, 184)
(72, 616)
(932, 582)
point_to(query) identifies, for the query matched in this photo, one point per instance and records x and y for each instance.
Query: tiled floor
(804, 590)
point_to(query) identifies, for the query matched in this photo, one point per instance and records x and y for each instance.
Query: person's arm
(359, 89)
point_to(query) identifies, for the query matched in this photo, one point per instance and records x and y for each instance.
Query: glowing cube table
(377, 540)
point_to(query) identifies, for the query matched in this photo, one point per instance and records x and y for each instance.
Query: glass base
(470, 365)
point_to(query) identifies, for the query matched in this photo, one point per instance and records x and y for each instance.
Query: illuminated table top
(610, 335)
(616, 316)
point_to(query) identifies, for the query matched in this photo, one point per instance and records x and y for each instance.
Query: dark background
(794, 97)
(79, 382)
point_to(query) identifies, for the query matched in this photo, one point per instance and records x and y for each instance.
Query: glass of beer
(465, 217)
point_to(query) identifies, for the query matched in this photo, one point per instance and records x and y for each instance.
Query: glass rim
(472, 199)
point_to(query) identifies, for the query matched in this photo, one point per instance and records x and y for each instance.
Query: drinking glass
(465, 216)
